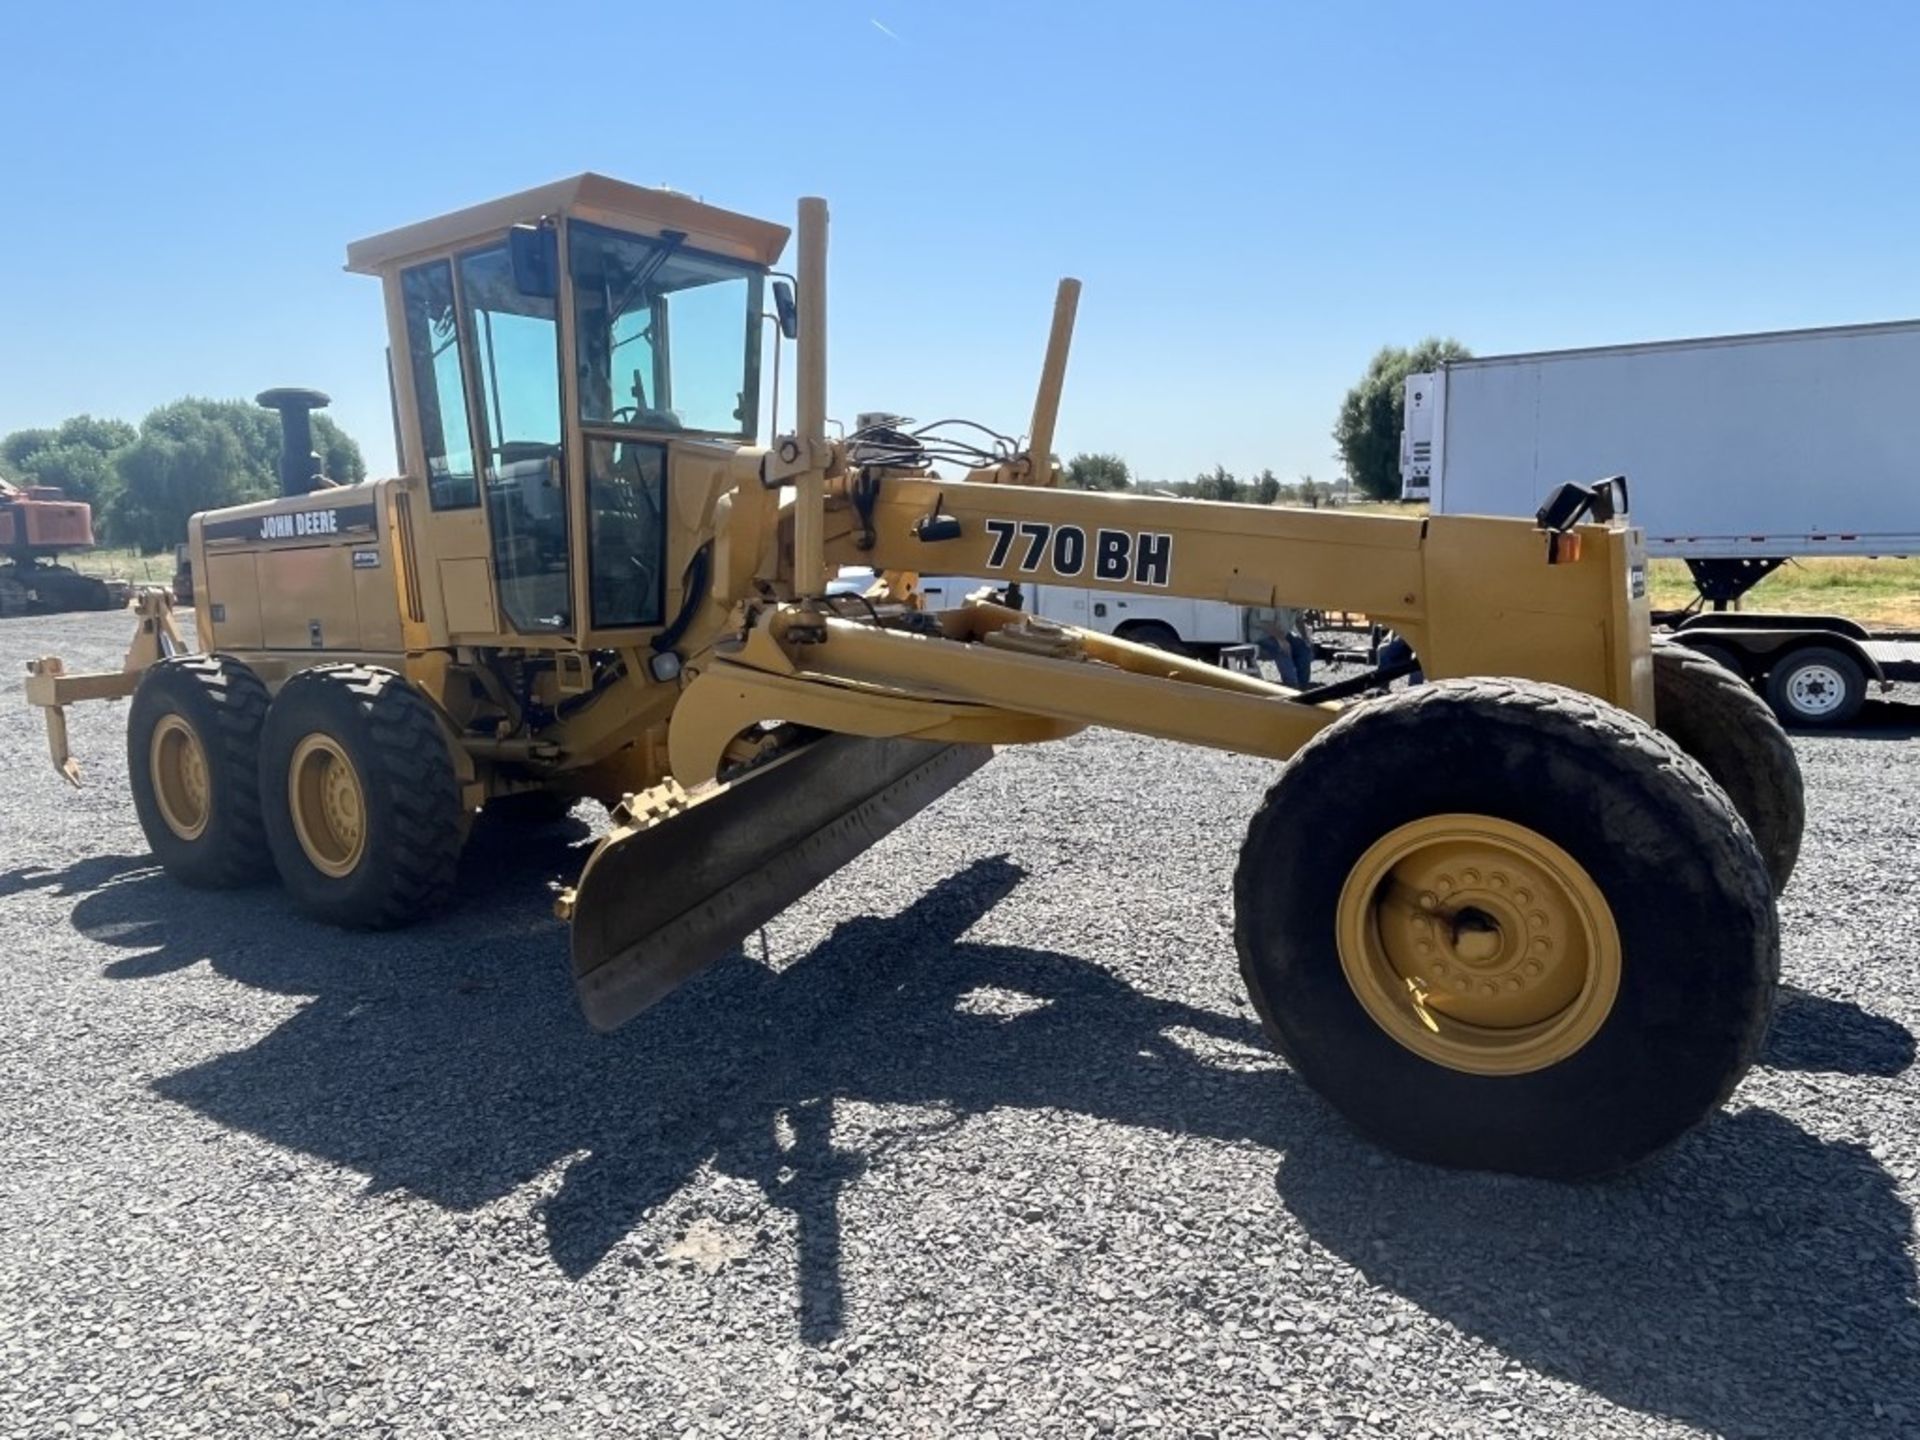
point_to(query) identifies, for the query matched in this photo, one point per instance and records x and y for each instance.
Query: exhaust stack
(300, 470)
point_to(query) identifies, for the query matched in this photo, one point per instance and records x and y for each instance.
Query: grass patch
(1383, 507)
(1883, 593)
(125, 564)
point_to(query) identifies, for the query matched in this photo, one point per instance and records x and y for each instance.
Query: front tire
(193, 741)
(1505, 926)
(361, 801)
(1714, 715)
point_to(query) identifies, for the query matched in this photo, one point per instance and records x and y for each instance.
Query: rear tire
(361, 802)
(1817, 687)
(193, 741)
(1718, 654)
(1526, 813)
(1715, 716)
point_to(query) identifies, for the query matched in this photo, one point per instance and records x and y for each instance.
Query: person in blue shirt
(1279, 633)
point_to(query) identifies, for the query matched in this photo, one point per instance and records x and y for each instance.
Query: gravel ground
(984, 1139)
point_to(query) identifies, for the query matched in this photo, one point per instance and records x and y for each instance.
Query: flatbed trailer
(1815, 670)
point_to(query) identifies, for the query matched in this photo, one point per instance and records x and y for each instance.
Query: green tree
(20, 449)
(1217, 484)
(1266, 488)
(176, 459)
(1368, 428)
(258, 432)
(185, 460)
(202, 454)
(1098, 472)
(75, 458)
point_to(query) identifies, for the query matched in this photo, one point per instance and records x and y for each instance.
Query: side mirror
(784, 307)
(536, 260)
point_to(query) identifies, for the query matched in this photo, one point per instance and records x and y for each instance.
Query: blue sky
(1256, 195)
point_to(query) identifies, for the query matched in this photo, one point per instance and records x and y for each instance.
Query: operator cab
(550, 349)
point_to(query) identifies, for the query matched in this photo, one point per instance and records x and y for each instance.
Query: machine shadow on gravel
(1756, 1278)
(1754, 1282)
(82, 877)
(1879, 719)
(505, 897)
(1812, 1032)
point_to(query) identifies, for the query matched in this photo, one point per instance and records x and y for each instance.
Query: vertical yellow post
(810, 404)
(1053, 377)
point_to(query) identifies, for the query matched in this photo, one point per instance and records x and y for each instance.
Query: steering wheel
(647, 419)
(642, 513)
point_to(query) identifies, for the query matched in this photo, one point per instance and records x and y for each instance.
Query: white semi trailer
(1740, 451)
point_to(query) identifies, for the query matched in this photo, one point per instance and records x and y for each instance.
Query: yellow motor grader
(1497, 917)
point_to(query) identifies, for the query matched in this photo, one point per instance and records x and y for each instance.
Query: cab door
(450, 547)
(665, 346)
(515, 342)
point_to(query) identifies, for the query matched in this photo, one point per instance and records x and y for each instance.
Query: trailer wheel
(1503, 925)
(1714, 715)
(361, 801)
(1817, 687)
(193, 739)
(1154, 634)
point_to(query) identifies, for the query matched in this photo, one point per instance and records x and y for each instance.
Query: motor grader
(1497, 917)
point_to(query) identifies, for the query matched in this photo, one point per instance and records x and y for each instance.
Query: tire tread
(402, 727)
(1572, 716)
(238, 701)
(1717, 717)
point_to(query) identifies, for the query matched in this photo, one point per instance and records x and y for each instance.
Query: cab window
(667, 337)
(433, 355)
(516, 359)
(626, 511)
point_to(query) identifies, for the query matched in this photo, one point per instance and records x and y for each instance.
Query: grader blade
(659, 901)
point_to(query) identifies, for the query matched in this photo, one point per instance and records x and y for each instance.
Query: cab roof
(590, 197)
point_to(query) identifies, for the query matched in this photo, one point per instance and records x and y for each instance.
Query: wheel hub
(182, 784)
(1479, 944)
(328, 806)
(1816, 689)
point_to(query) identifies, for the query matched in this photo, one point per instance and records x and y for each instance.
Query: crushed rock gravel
(981, 1138)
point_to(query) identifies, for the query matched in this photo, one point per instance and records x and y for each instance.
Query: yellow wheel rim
(329, 808)
(1479, 944)
(177, 764)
